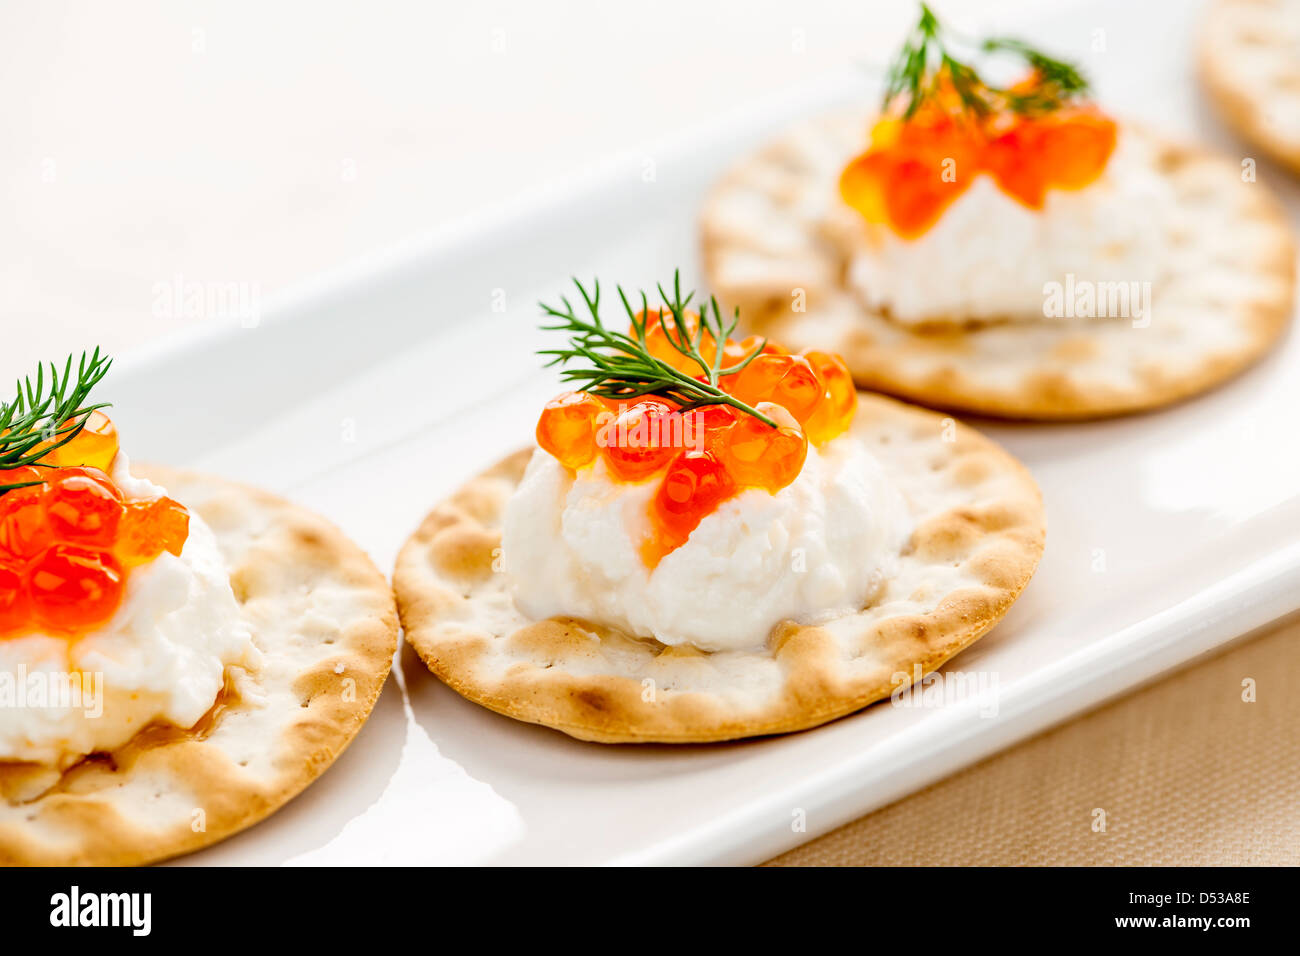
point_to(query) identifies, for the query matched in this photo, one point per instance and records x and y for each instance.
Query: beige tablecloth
(1185, 770)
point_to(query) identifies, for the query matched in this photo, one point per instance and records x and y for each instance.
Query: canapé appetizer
(179, 655)
(713, 539)
(1013, 251)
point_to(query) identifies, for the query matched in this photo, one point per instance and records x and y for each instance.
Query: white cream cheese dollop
(989, 257)
(162, 657)
(821, 546)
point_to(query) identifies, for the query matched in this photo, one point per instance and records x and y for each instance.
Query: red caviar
(660, 326)
(661, 330)
(839, 401)
(567, 428)
(82, 506)
(151, 527)
(916, 167)
(95, 445)
(68, 539)
(765, 457)
(73, 589)
(640, 440)
(787, 380)
(694, 485)
(15, 608)
(705, 455)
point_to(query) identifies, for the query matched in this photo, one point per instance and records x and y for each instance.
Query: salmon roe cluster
(916, 167)
(68, 538)
(707, 454)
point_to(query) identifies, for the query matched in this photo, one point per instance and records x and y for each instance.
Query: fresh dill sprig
(915, 75)
(1056, 81)
(616, 365)
(38, 421)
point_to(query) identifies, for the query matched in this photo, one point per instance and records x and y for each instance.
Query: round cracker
(322, 617)
(772, 226)
(979, 530)
(1250, 61)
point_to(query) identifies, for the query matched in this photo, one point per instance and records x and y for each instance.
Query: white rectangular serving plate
(371, 395)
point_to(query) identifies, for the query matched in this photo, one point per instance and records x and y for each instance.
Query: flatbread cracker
(770, 227)
(1250, 61)
(322, 617)
(979, 531)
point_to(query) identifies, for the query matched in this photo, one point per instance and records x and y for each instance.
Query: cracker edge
(1236, 107)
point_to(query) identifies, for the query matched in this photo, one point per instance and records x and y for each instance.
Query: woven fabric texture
(1185, 770)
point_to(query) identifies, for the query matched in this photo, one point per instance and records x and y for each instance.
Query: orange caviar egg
(1076, 145)
(916, 167)
(786, 380)
(758, 455)
(567, 428)
(74, 588)
(95, 445)
(661, 330)
(703, 427)
(734, 352)
(82, 506)
(68, 536)
(14, 609)
(1067, 149)
(913, 172)
(694, 485)
(151, 527)
(23, 531)
(1014, 157)
(839, 404)
(27, 475)
(617, 406)
(640, 441)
